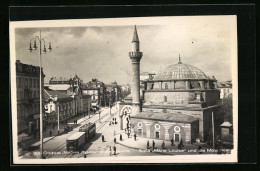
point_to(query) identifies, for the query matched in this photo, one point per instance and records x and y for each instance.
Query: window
(165, 98)
(30, 83)
(177, 129)
(166, 86)
(157, 126)
(26, 82)
(20, 82)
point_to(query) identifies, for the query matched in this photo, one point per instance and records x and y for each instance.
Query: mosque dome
(180, 71)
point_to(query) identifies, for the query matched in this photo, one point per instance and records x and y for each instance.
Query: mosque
(179, 102)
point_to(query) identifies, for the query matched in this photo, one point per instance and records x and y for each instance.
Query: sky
(101, 52)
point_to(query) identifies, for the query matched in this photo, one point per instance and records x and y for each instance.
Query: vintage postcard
(124, 90)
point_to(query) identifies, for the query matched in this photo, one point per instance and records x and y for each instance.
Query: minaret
(135, 56)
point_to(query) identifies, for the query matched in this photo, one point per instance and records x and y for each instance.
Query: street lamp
(40, 39)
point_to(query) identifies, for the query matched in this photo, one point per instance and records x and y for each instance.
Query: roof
(52, 94)
(135, 37)
(170, 117)
(226, 124)
(59, 79)
(75, 136)
(58, 86)
(180, 71)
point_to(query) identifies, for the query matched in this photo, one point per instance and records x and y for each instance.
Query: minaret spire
(135, 37)
(179, 59)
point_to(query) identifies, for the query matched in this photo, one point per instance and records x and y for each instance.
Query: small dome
(180, 71)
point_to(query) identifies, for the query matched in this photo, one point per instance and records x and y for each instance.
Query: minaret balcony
(135, 54)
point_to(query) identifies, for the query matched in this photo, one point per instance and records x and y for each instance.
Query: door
(157, 134)
(139, 132)
(176, 137)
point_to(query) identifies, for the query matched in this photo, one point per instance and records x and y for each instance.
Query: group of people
(153, 145)
(113, 122)
(75, 122)
(114, 149)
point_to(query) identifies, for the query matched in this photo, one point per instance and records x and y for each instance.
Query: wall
(166, 129)
(173, 98)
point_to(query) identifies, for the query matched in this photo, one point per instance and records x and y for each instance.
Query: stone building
(28, 97)
(225, 89)
(58, 104)
(72, 87)
(97, 90)
(179, 102)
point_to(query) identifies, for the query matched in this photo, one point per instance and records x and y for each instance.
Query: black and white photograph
(125, 90)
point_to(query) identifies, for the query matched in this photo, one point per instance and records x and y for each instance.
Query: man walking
(135, 136)
(114, 150)
(121, 137)
(50, 133)
(163, 145)
(128, 134)
(115, 140)
(103, 138)
(148, 144)
(172, 142)
(153, 144)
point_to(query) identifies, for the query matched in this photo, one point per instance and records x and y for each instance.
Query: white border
(122, 159)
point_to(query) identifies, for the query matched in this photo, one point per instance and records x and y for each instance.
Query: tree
(225, 106)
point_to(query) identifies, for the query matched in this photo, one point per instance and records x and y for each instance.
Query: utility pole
(213, 136)
(58, 109)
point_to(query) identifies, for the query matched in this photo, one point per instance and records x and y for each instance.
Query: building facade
(28, 97)
(179, 102)
(225, 89)
(58, 104)
(97, 90)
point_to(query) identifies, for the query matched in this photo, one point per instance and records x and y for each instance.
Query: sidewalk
(34, 142)
(141, 145)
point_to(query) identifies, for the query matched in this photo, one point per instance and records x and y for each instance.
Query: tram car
(78, 139)
(89, 129)
(75, 141)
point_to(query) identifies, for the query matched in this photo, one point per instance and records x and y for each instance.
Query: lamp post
(40, 39)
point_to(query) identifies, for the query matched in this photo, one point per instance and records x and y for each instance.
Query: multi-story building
(97, 90)
(114, 92)
(72, 88)
(225, 89)
(28, 97)
(58, 104)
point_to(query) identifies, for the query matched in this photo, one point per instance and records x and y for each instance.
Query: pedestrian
(181, 143)
(115, 140)
(85, 155)
(153, 144)
(110, 151)
(199, 149)
(172, 142)
(128, 134)
(135, 136)
(74, 122)
(121, 139)
(163, 145)
(114, 150)
(50, 133)
(148, 144)
(103, 138)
